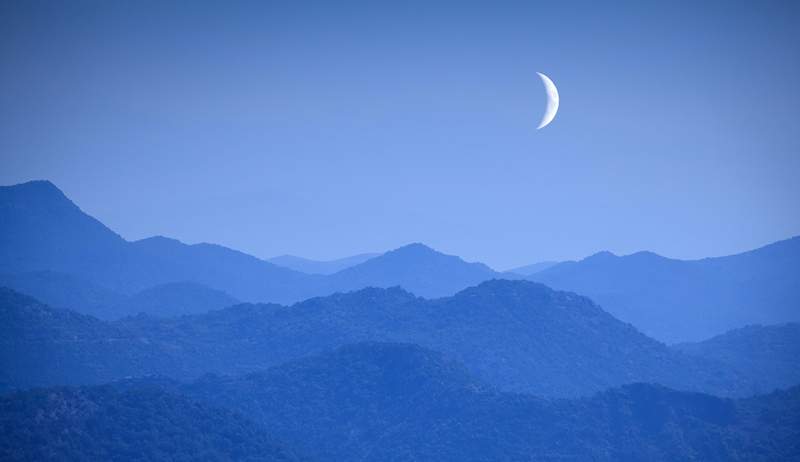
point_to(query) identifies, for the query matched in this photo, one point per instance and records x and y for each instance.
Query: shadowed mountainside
(104, 423)
(769, 355)
(514, 335)
(403, 402)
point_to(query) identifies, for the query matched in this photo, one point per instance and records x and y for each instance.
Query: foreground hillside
(394, 402)
(514, 335)
(388, 402)
(145, 424)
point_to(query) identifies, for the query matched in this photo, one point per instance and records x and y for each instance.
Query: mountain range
(512, 335)
(52, 250)
(689, 300)
(388, 402)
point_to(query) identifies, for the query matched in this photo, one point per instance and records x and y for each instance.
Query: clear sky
(330, 128)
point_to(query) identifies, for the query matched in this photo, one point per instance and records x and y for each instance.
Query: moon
(552, 101)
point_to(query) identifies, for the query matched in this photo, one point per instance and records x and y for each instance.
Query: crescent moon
(552, 101)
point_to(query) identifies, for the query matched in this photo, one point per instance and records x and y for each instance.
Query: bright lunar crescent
(552, 101)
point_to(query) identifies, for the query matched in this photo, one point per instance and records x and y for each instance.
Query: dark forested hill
(40, 345)
(514, 335)
(393, 402)
(770, 355)
(376, 402)
(681, 300)
(141, 424)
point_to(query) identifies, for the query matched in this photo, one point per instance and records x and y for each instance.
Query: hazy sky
(331, 128)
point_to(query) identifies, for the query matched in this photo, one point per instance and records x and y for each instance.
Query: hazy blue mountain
(44, 231)
(514, 335)
(394, 402)
(528, 270)
(138, 424)
(768, 354)
(174, 299)
(65, 291)
(308, 266)
(677, 300)
(416, 268)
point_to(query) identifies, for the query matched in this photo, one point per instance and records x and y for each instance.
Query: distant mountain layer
(174, 299)
(65, 291)
(44, 231)
(534, 268)
(770, 355)
(514, 335)
(677, 300)
(671, 300)
(389, 402)
(308, 266)
(148, 424)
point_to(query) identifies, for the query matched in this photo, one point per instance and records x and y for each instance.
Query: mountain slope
(305, 265)
(677, 300)
(103, 423)
(768, 354)
(393, 402)
(40, 346)
(416, 268)
(65, 291)
(515, 335)
(44, 231)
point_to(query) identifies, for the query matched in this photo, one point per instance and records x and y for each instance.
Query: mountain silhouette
(308, 266)
(45, 231)
(689, 300)
(416, 268)
(512, 335)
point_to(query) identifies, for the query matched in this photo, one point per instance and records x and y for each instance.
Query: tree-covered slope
(138, 424)
(40, 346)
(395, 402)
(769, 355)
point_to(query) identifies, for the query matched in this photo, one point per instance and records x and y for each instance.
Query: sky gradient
(325, 129)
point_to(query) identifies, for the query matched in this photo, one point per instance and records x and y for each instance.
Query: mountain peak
(601, 256)
(36, 191)
(415, 248)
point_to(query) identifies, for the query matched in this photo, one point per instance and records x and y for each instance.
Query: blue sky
(324, 129)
